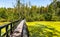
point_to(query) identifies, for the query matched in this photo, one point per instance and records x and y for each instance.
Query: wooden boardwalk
(21, 30)
(17, 29)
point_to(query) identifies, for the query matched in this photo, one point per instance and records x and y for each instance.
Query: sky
(11, 3)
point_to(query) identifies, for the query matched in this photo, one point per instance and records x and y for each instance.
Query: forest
(31, 12)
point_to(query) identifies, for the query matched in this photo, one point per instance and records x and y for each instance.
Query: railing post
(11, 28)
(0, 32)
(7, 31)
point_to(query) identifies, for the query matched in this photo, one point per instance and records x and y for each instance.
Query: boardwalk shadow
(43, 31)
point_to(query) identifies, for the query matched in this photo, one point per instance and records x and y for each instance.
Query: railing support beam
(11, 28)
(0, 32)
(7, 31)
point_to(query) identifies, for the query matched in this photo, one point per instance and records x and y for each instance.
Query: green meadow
(44, 29)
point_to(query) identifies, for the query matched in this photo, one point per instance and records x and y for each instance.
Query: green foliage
(40, 30)
(58, 4)
(33, 13)
(3, 13)
(48, 17)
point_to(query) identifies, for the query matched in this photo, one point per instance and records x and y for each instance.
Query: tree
(18, 8)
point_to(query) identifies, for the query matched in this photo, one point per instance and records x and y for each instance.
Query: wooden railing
(8, 28)
(17, 29)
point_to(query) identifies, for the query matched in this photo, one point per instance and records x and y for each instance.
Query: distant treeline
(31, 13)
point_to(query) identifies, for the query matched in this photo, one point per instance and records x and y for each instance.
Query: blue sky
(11, 3)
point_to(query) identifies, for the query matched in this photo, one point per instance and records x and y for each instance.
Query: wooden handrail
(8, 31)
(21, 30)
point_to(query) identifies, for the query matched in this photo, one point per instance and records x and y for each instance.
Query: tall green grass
(44, 29)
